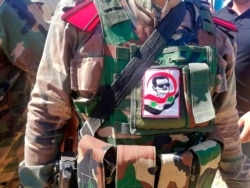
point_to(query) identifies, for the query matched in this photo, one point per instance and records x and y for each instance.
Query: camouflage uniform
(50, 109)
(22, 35)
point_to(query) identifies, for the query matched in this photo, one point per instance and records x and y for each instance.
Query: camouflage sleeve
(226, 113)
(50, 106)
(29, 30)
(225, 93)
(23, 32)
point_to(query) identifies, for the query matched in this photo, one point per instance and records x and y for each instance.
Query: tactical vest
(156, 137)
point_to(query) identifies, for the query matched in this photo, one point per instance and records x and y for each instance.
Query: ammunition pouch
(106, 165)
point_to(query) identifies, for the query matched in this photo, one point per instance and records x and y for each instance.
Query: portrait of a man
(161, 93)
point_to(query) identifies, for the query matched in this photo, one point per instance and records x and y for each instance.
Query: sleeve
(49, 110)
(224, 98)
(29, 30)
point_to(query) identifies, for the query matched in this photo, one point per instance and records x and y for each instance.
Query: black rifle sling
(111, 96)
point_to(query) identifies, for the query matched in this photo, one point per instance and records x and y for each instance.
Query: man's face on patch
(162, 86)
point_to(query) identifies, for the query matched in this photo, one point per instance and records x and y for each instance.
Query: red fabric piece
(226, 24)
(84, 16)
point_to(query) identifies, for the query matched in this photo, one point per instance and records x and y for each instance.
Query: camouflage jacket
(50, 109)
(23, 30)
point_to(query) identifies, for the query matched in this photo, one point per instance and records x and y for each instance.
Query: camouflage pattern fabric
(135, 166)
(127, 118)
(208, 155)
(91, 162)
(178, 168)
(23, 30)
(77, 64)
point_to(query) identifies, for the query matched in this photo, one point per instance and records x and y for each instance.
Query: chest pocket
(175, 95)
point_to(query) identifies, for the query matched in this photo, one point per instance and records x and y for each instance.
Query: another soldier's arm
(49, 108)
(225, 93)
(226, 116)
(244, 123)
(23, 41)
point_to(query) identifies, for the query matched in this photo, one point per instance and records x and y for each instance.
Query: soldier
(83, 69)
(23, 29)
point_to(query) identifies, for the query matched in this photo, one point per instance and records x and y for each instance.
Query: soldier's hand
(244, 124)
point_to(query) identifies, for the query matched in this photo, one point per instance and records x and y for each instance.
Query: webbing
(133, 72)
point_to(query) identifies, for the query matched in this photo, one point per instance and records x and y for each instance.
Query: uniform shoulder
(224, 23)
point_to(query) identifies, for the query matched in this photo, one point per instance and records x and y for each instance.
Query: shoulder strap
(143, 58)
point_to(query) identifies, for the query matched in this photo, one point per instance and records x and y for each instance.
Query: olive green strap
(200, 94)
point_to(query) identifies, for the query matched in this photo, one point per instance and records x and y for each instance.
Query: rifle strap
(144, 57)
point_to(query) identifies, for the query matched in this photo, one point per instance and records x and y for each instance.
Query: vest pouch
(198, 99)
(207, 156)
(175, 169)
(174, 96)
(151, 112)
(85, 75)
(136, 166)
(131, 165)
(92, 161)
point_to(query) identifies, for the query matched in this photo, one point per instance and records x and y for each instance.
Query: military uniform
(73, 61)
(23, 30)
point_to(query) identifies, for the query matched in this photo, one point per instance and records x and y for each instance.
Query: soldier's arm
(225, 97)
(23, 41)
(49, 108)
(227, 116)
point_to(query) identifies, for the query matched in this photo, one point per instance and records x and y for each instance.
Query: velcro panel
(115, 17)
(200, 94)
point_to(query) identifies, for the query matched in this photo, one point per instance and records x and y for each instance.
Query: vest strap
(202, 109)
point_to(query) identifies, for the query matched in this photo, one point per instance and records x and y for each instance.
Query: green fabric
(110, 4)
(115, 17)
(29, 175)
(207, 23)
(183, 57)
(129, 178)
(122, 53)
(200, 94)
(85, 107)
(127, 116)
(116, 24)
(208, 155)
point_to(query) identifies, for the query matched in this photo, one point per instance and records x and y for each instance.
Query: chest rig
(174, 94)
(158, 129)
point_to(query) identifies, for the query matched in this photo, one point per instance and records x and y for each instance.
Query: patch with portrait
(160, 93)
